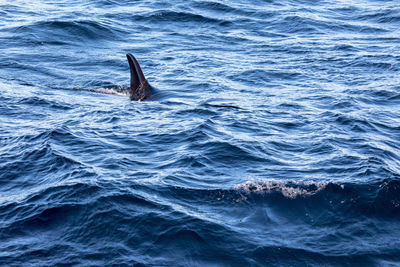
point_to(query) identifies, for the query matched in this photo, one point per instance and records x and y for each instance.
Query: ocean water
(272, 137)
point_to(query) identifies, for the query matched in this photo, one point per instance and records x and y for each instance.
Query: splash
(288, 188)
(118, 90)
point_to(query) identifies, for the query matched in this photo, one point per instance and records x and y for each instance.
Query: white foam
(112, 91)
(288, 188)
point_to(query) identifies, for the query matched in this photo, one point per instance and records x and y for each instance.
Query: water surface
(273, 137)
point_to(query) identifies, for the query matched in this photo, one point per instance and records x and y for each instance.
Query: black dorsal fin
(135, 82)
(137, 76)
(140, 88)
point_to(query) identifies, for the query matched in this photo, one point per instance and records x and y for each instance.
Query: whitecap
(288, 188)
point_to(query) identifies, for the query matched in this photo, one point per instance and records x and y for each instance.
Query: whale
(139, 87)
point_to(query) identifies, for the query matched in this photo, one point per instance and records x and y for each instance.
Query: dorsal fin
(135, 82)
(136, 72)
(140, 88)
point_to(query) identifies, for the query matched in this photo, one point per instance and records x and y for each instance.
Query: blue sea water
(272, 139)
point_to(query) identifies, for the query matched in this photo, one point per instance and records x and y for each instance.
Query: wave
(161, 221)
(377, 200)
(380, 199)
(65, 31)
(44, 103)
(163, 16)
(289, 189)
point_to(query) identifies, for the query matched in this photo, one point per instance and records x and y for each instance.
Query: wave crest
(288, 188)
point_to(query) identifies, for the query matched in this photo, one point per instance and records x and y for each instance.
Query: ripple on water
(272, 137)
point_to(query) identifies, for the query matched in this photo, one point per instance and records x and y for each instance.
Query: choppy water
(304, 171)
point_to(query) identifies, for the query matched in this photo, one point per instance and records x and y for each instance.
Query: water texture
(273, 136)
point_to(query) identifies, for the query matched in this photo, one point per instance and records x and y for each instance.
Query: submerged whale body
(140, 88)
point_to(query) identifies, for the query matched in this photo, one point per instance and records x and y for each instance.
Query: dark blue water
(273, 137)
